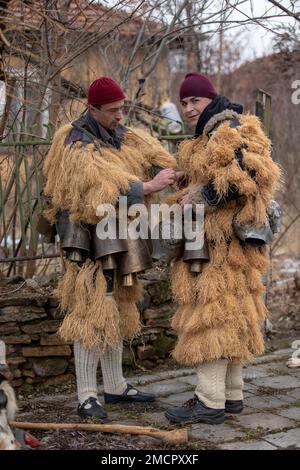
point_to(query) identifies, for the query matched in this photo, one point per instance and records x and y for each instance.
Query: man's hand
(179, 175)
(185, 200)
(194, 196)
(163, 179)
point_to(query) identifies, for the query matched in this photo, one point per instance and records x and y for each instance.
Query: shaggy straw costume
(221, 309)
(79, 179)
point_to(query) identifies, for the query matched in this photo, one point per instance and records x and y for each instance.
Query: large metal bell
(76, 255)
(198, 255)
(136, 259)
(189, 256)
(76, 241)
(253, 235)
(108, 246)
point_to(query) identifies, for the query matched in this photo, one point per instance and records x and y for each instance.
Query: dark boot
(194, 411)
(234, 406)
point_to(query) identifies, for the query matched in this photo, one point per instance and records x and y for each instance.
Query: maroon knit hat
(104, 90)
(196, 84)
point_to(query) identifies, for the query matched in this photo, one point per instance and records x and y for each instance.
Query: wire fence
(21, 159)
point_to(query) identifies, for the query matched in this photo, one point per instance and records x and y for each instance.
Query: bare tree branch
(286, 10)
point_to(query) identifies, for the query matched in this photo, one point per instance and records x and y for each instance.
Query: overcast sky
(259, 39)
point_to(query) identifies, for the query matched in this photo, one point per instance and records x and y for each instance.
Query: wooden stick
(178, 436)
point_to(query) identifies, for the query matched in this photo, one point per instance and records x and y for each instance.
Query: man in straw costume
(91, 162)
(219, 290)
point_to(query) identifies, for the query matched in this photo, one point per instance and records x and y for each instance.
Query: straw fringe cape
(221, 309)
(78, 179)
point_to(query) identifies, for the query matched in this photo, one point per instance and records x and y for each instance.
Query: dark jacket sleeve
(135, 194)
(210, 195)
(209, 192)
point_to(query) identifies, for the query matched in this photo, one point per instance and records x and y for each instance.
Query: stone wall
(30, 318)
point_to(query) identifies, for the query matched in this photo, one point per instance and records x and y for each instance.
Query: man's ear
(93, 109)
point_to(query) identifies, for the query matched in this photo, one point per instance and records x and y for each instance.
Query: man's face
(192, 107)
(108, 115)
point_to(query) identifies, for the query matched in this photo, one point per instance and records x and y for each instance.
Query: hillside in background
(275, 74)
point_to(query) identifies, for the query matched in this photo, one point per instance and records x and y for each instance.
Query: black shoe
(91, 408)
(138, 397)
(234, 406)
(194, 411)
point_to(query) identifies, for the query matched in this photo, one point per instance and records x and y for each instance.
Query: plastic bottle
(169, 110)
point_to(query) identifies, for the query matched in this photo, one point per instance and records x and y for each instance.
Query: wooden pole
(178, 436)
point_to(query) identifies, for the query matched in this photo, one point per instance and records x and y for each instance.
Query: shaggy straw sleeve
(150, 148)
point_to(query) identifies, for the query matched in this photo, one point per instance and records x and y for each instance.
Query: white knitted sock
(234, 382)
(211, 383)
(112, 372)
(86, 363)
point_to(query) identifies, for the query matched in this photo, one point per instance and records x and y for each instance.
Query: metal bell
(109, 262)
(198, 255)
(75, 255)
(249, 233)
(128, 280)
(135, 260)
(108, 246)
(76, 240)
(189, 256)
(196, 266)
